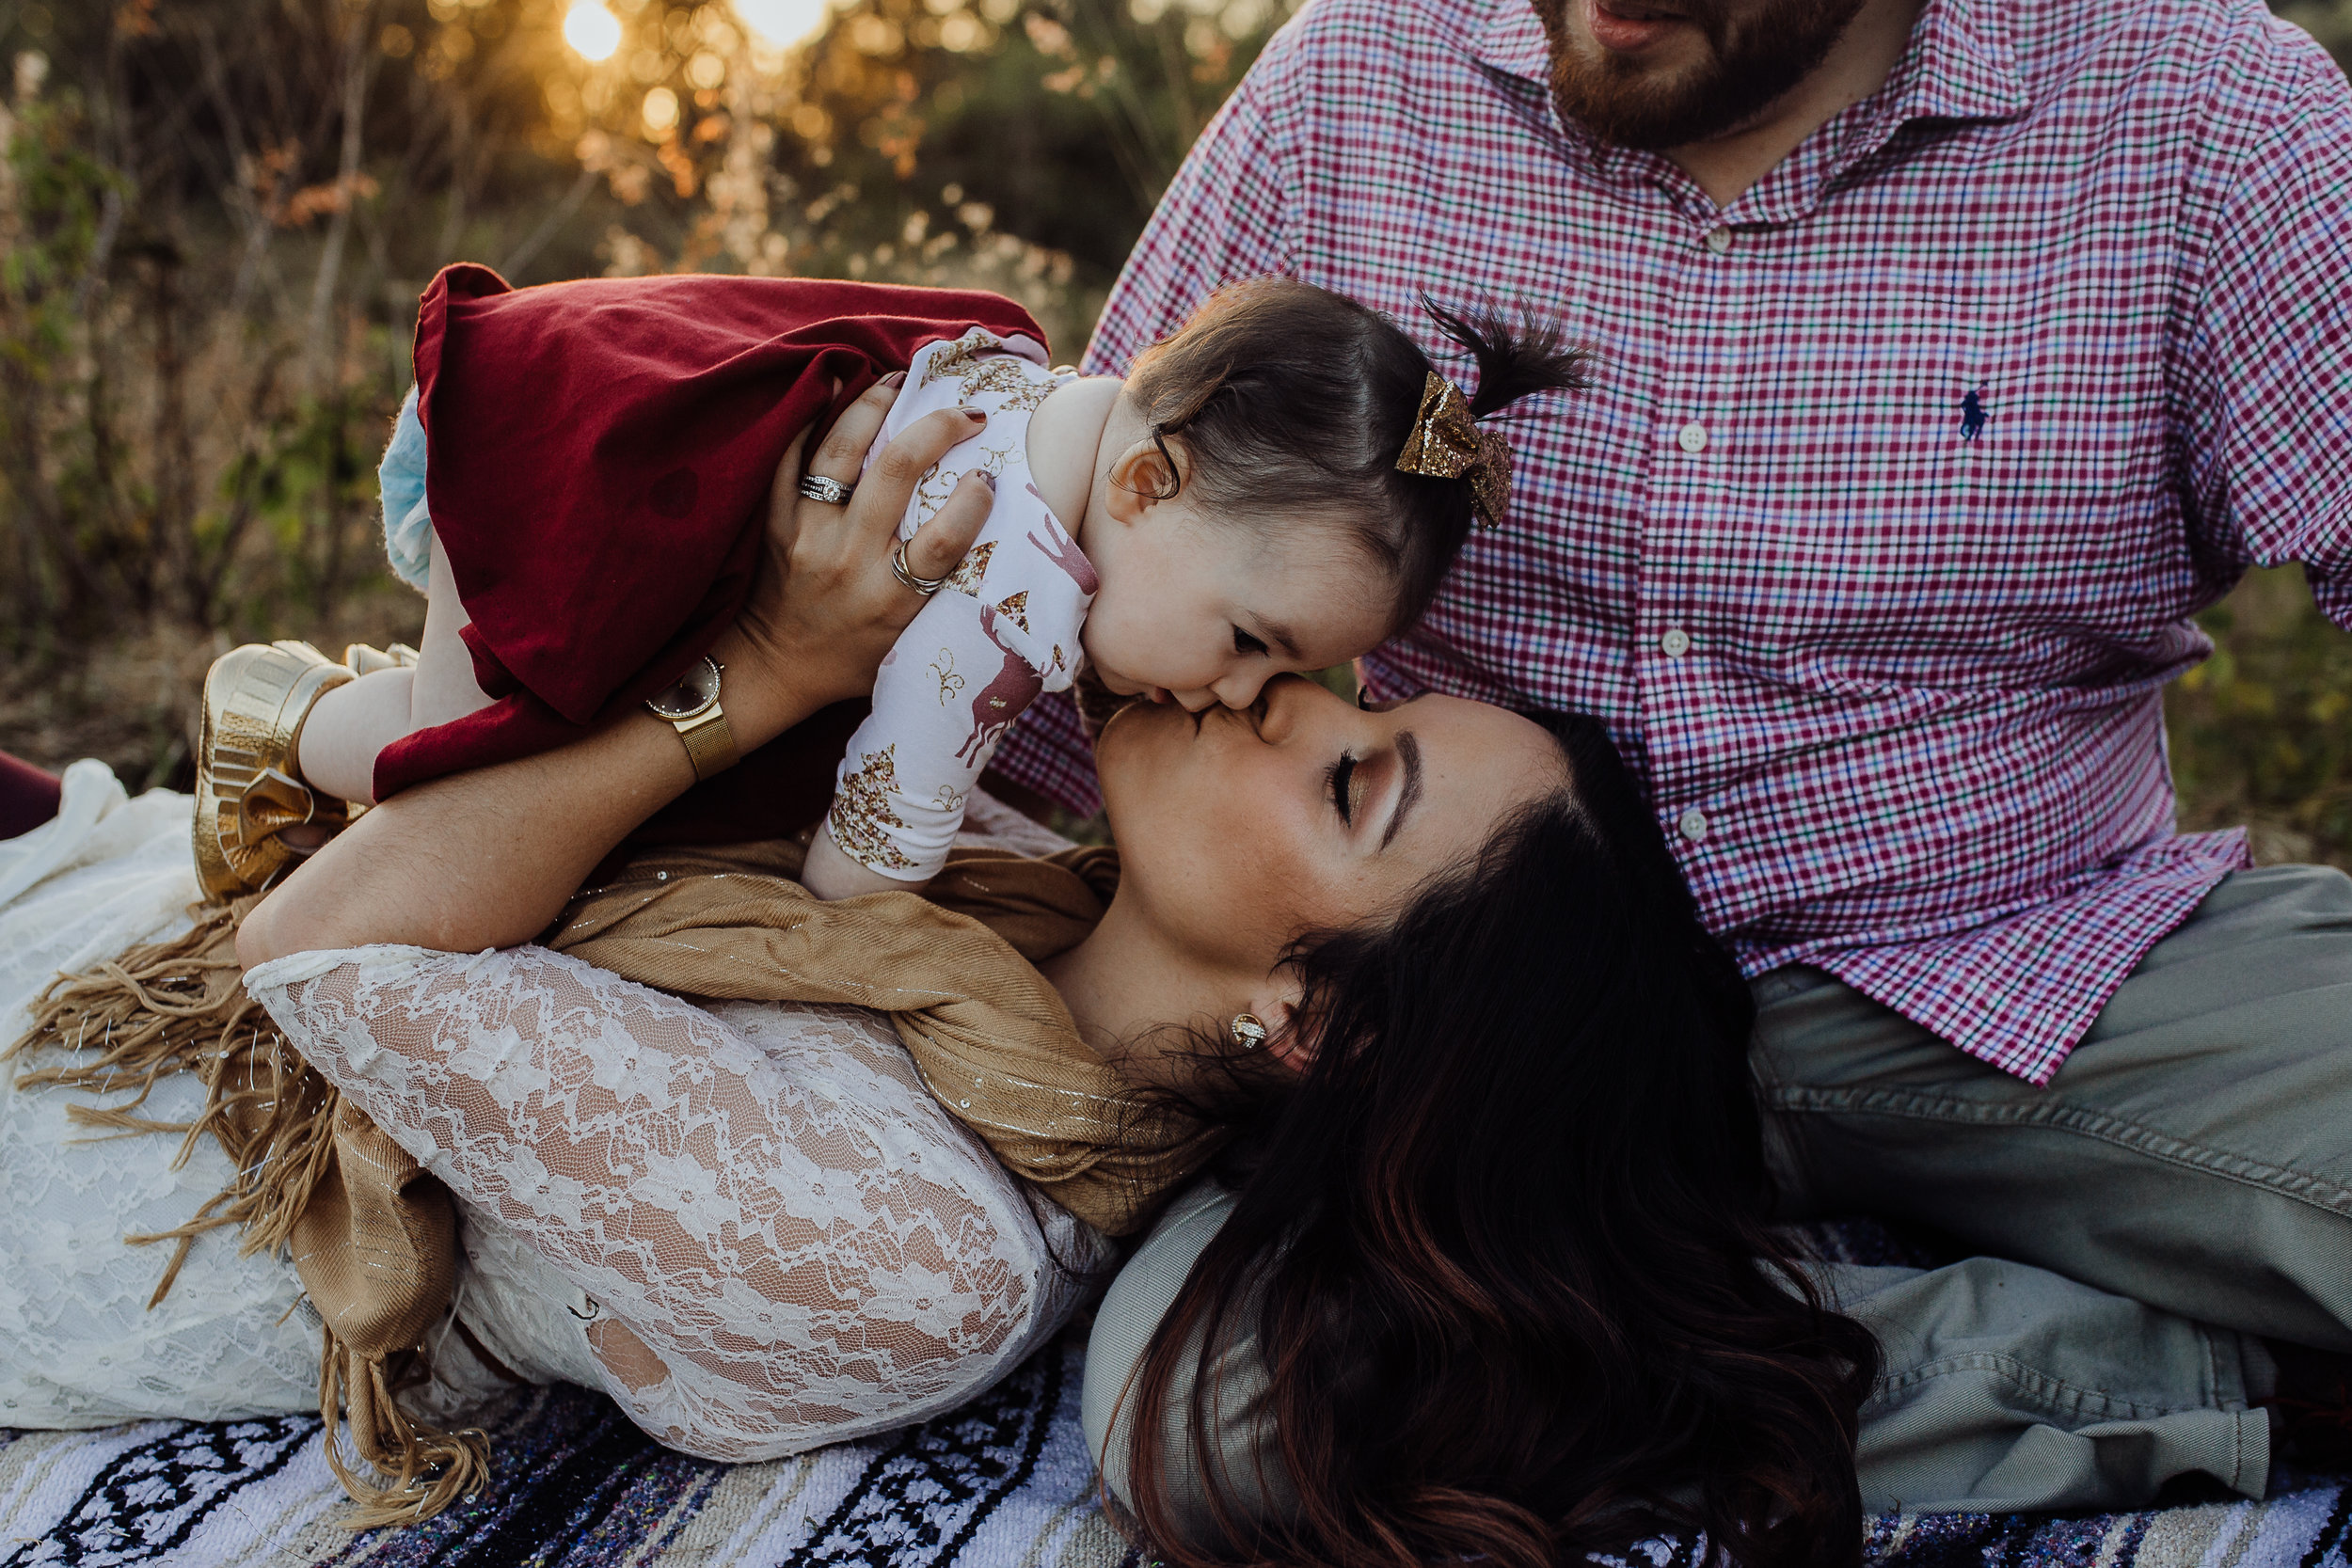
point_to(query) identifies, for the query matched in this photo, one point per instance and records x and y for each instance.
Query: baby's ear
(1147, 473)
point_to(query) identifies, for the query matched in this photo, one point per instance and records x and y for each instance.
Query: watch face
(695, 691)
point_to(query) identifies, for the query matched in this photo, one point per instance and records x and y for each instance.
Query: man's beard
(1754, 59)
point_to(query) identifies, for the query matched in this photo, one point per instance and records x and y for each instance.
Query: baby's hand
(832, 875)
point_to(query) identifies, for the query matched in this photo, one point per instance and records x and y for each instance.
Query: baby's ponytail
(1516, 358)
(1296, 405)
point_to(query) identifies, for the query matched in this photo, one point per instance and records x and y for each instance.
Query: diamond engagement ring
(900, 569)
(816, 487)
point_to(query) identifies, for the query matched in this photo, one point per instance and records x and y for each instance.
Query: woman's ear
(1141, 477)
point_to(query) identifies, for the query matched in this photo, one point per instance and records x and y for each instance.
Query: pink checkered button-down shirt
(1877, 540)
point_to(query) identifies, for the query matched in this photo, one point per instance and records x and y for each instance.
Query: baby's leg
(359, 718)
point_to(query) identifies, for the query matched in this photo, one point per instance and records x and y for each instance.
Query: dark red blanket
(598, 459)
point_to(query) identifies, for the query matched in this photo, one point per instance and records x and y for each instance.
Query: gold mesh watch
(691, 706)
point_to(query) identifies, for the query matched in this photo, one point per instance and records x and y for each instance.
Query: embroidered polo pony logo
(1972, 414)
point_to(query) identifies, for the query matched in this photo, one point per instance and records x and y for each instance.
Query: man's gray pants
(2184, 1184)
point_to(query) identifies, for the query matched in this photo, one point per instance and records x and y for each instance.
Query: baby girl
(576, 482)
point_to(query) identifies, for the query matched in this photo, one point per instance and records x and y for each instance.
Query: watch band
(710, 742)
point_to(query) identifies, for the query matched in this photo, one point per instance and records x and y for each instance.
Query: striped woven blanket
(1003, 1483)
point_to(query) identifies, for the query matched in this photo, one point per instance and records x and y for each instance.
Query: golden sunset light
(593, 31)
(782, 23)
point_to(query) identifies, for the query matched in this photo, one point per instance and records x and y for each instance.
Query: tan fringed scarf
(990, 1034)
(373, 1238)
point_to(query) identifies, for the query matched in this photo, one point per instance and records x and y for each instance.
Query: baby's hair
(1288, 397)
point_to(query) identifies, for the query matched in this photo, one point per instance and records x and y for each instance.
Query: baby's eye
(1246, 644)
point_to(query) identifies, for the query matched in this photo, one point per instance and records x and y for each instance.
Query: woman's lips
(1628, 27)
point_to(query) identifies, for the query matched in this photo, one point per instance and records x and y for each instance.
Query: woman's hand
(486, 858)
(826, 605)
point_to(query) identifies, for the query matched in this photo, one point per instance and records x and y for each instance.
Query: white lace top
(749, 1224)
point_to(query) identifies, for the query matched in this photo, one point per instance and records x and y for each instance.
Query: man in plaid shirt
(1951, 353)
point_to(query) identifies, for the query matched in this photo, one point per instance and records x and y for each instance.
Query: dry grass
(132, 704)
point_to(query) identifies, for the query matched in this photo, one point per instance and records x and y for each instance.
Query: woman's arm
(487, 859)
(785, 1240)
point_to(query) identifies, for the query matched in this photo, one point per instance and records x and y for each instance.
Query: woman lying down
(1496, 1281)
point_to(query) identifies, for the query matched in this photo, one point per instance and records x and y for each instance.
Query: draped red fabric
(28, 796)
(598, 460)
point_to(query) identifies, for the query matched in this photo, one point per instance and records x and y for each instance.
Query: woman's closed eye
(1340, 780)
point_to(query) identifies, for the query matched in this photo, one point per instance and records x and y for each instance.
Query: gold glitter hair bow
(1446, 443)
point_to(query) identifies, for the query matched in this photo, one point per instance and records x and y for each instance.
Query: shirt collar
(1511, 41)
(1960, 65)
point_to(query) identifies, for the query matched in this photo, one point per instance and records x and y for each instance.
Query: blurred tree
(215, 217)
(2262, 731)
(219, 215)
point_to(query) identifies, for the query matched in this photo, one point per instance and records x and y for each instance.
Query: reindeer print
(987, 368)
(861, 813)
(966, 578)
(944, 671)
(942, 707)
(1013, 688)
(1062, 550)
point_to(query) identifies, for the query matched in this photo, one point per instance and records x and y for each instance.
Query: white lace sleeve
(786, 1240)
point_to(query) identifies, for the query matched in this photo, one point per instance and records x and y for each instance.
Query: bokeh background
(215, 217)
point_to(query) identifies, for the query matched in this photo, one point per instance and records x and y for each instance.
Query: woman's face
(1241, 829)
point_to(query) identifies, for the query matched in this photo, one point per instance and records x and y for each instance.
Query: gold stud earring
(1250, 1031)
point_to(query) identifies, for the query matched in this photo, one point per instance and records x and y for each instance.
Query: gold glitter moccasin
(248, 788)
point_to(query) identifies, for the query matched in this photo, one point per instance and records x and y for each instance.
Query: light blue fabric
(408, 526)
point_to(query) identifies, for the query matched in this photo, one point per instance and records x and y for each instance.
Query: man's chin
(1698, 83)
(1667, 97)
(1647, 110)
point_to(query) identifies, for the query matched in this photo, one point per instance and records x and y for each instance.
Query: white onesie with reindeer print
(1003, 629)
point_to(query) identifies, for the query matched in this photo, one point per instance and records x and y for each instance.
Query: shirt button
(1719, 240)
(1676, 641)
(1692, 824)
(1693, 438)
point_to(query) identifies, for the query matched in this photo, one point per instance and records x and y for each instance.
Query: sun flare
(782, 23)
(593, 31)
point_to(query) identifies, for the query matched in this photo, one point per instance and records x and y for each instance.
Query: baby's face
(1199, 611)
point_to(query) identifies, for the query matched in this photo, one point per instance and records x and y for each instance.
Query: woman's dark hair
(1504, 1245)
(1287, 396)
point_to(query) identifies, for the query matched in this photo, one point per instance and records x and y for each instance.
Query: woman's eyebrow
(1409, 751)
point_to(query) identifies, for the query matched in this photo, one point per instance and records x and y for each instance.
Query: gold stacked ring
(900, 569)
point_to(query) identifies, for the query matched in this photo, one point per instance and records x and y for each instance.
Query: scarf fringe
(181, 1006)
(429, 1470)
